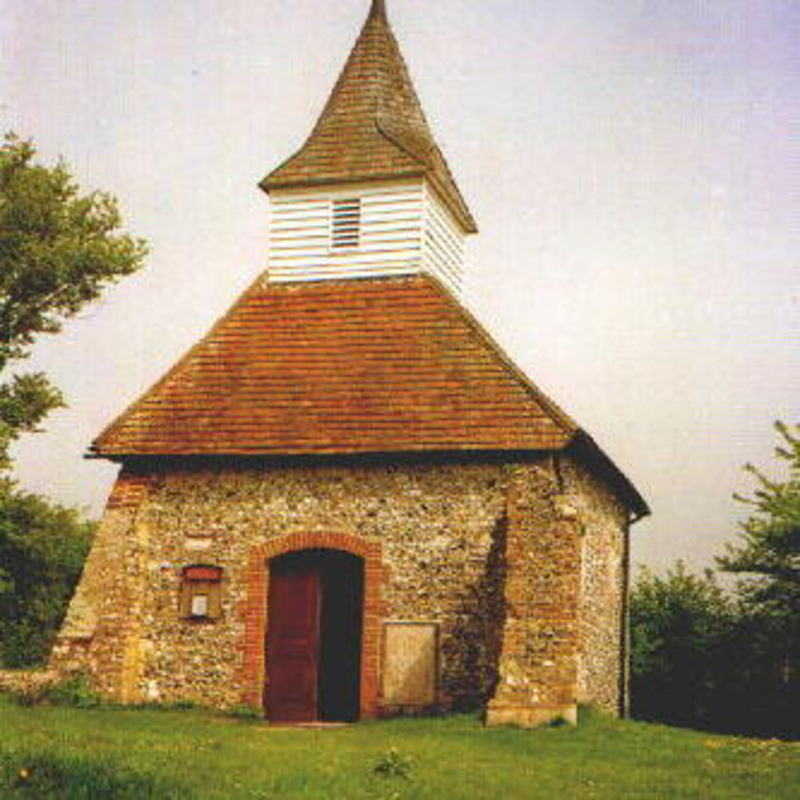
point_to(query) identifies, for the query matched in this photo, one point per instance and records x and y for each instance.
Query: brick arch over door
(255, 611)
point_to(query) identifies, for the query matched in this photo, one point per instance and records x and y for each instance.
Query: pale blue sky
(633, 167)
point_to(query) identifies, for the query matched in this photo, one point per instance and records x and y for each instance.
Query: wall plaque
(410, 663)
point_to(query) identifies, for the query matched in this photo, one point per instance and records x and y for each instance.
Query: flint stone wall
(602, 673)
(443, 534)
(27, 682)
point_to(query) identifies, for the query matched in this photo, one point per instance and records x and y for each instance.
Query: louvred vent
(346, 227)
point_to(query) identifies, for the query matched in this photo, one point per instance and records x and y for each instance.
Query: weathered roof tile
(380, 365)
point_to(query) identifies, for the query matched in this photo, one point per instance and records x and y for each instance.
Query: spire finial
(378, 9)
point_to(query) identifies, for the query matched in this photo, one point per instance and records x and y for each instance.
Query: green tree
(769, 552)
(728, 660)
(681, 625)
(58, 250)
(42, 549)
(768, 558)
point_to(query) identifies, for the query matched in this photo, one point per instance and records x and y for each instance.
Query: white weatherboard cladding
(443, 242)
(389, 242)
(404, 229)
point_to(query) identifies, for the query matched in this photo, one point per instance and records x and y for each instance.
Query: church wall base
(530, 716)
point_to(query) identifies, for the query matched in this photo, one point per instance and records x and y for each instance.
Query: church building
(345, 501)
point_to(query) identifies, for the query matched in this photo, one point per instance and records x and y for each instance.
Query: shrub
(42, 550)
(393, 764)
(73, 692)
(245, 713)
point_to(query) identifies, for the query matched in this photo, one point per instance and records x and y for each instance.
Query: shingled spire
(378, 9)
(372, 126)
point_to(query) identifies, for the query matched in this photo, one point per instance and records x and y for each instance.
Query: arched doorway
(313, 659)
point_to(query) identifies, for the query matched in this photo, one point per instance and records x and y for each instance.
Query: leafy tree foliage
(770, 551)
(703, 657)
(58, 250)
(42, 549)
(728, 660)
(680, 627)
(768, 556)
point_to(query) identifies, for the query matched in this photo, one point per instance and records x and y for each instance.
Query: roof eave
(463, 216)
(459, 209)
(581, 443)
(96, 452)
(494, 453)
(585, 445)
(268, 184)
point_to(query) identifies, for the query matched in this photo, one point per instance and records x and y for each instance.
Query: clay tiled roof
(333, 367)
(373, 126)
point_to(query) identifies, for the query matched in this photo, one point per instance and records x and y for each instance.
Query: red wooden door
(293, 640)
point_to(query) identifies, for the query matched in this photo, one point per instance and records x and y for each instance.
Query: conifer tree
(769, 550)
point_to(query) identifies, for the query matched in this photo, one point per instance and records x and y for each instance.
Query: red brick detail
(541, 634)
(202, 573)
(255, 611)
(129, 491)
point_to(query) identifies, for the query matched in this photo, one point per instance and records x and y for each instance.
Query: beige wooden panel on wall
(410, 663)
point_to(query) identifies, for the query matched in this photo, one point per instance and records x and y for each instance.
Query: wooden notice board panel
(410, 663)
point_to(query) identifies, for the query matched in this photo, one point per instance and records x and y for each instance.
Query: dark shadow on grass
(49, 776)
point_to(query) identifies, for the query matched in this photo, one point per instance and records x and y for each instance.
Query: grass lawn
(58, 752)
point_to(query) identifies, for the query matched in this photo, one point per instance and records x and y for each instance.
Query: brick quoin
(255, 611)
(129, 491)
